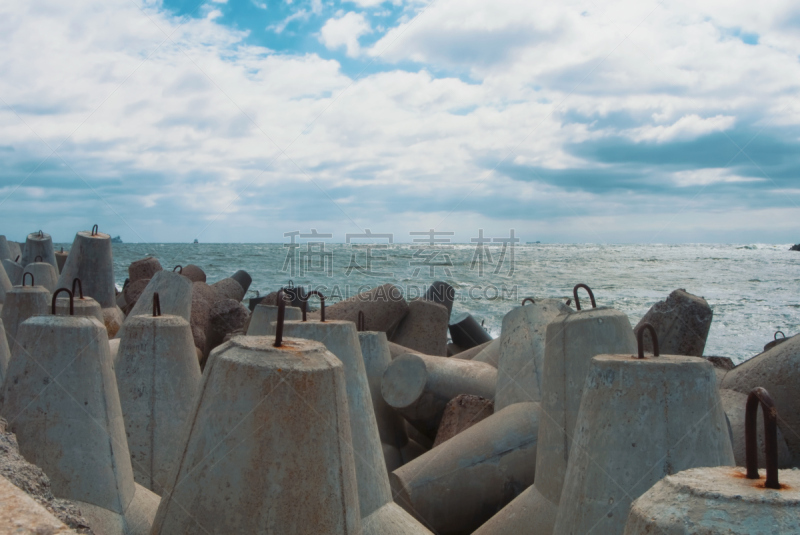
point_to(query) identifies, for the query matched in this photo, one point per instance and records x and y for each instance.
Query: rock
(229, 289)
(193, 273)
(144, 269)
(461, 413)
(795, 247)
(21, 514)
(384, 308)
(681, 322)
(227, 316)
(424, 328)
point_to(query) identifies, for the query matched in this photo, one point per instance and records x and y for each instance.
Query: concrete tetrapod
(61, 397)
(571, 340)
(419, 386)
(490, 354)
(284, 466)
(262, 322)
(384, 308)
(519, 368)
(144, 269)
(175, 296)
(13, 271)
(458, 485)
(39, 244)
(44, 274)
(424, 328)
(22, 302)
(378, 512)
(5, 355)
(5, 251)
(159, 379)
(90, 260)
(5, 284)
(724, 500)
(682, 323)
(442, 293)
(777, 370)
(61, 259)
(641, 418)
(15, 248)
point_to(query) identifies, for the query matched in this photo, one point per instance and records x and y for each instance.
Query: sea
(752, 288)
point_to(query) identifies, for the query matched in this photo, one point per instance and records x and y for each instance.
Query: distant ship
(195, 240)
(116, 239)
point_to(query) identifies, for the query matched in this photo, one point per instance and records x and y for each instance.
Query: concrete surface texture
(174, 293)
(137, 519)
(717, 500)
(639, 420)
(15, 248)
(258, 404)
(469, 354)
(5, 284)
(37, 244)
(5, 251)
(44, 274)
(457, 486)
(23, 302)
(243, 278)
(341, 339)
(193, 273)
(681, 321)
(490, 354)
(5, 355)
(777, 370)
(13, 271)
(461, 413)
(158, 377)
(420, 386)
(571, 340)
(519, 368)
(85, 306)
(384, 308)
(261, 322)
(113, 319)
(144, 269)
(61, 258)
(391, 519)
(423, 329)
(229, 288)
(21, 514)
(71, 427)
(90, 259)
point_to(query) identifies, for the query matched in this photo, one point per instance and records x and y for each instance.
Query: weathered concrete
(639, 420)
(777, 370)
(466, 332)
(412, 450)
(5, 355)
(244, 279)
(13, 271)
(376, 355)
(113, 350)
(571, 340)
(392, 456)
(681, 322)
(5, 250)
(23, 302)
(424, 328)
(461, 413)
(391, 519)
(90, 260)
(716, 501)
(453, 349)
(515, 518)
(175, 295)
(20, 514)
(414, 434)
(384, 308)
(37, 244)
(44, 274)
(5, 284)
(203, 299)
(193, 273)
(15, 248)
(261, 321)
(73, 430)
(132, 292)
(457, 486)
(441, 293)
(469, 354)
(521, 359)
(226, 481)
(159, 380)
(228, 316)
(419, 386)
(734, 403)
(229, 289)
(82, 306)
(490, 354)
(144, 269)
(61, 259)
(137, 520)
(395, 350)
(341, 339)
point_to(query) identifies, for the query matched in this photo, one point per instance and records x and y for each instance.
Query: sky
(243, 120)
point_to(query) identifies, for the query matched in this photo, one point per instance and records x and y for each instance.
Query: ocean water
(753, 289)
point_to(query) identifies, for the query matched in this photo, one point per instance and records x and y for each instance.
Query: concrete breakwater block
(131, 294)
(228, 316)
(264, 316)
(777, 370)
(521, 360)
(682, 323)
(457, 486)
(571, 340)
(90, 260)
(471, 353)
(21, 303)
(466, 332)
(39, 244)
(490, 354)
(113, 318)
(175, 296)
(384, 308)
(420, 386)
(253, 466)
(443, 294)
(80, 305)
(244, 279)
(229, 289)
(61, 259)
(639, 420)
(15, 248)
(19, 513)
(5, 284)
(72, 426)
(193, 273)
(44, 274)
(5, 251)
(424, 328)
(144, 269)
(461, 413)
(13, 271)
(158, 378)
(5, 355)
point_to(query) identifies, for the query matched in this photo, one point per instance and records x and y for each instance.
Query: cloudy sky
(240, 120)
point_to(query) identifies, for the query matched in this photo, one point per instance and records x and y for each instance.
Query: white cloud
(687, 127)
(366, 3)
(704, 177)
(301, 14)
(345, 32)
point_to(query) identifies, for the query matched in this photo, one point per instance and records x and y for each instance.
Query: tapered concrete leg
(13, 271)
(261, 322)
(90, 260)
(517, 517)
(174, 293)
(5, 284)
(377, 357)
(5, 355)
(23, 302)
(39, 244)
(44, 274)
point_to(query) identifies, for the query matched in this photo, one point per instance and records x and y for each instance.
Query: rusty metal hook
(770, 412)
(178, 267)
(71, 302)
(95, 230)
(77, 281)
(291, 284)
(41, 234)
(321, 304)
(578, 301)
(528, 299)
(361, 323)
(37, 258)
(281, 318)
(156, 304)
(569, 302)
(776, 334)
(653, 337)
(16, 259)
(23, 278)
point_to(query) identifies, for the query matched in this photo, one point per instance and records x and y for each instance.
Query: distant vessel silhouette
(195, 240)
(116, 239)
